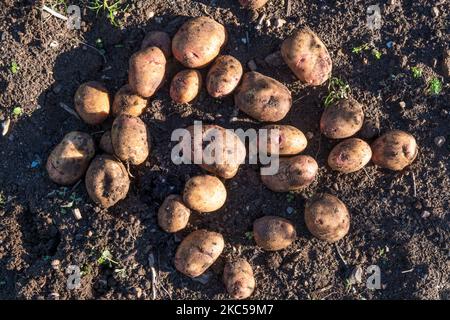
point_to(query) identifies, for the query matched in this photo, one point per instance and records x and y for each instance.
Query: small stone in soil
(402, 104)
(370, 129)
(289, 210)
(439, 141)
(55, 264)
(356, 275)
(426, 214)
(435, 12)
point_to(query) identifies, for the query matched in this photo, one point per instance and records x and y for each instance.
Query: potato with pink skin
(273, 233)
(173, 215)
(126, 101)
(185, 86)
(92, 102)
(253, 4)
(158, 39)
(349, 155)
(204, 194)
(342, 119)
(239, 279)
(290, 140)
(224, 76)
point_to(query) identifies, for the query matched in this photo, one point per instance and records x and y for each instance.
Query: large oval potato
(198, 251)
(130, 139)
(107, 181)
(262, 97)
(394, 150)
(158, 39)
(350, 155)
(198, 42)
(239, 279)
(126, 101)
(253, 4)
(204, 193)
(273, 233)
(69, 160)
(185, 86)
(307, 57)
(294, 173)
(224, 76)
(173, 215)
(92, 102)
(342, 119)
(288, 140)
(146, 72)
(327, 218)
(106, 143)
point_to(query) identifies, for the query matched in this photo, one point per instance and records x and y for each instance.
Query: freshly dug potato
(173, 215)
(307, 57)
(198, 42)
(253, 4)
(126, 101)
(92, 102)
(273, 233)
(350, 155)
(342, 119)
(158, 39)
(69, 160)
(290, 140)
(263, 98)
(185, 86)
(294, 173)
(327, 218)
(107, 180)
(106, 143)
(394, 150)
(130, 139)
(146, 72)
(238, 279)
(198, 251)
(204, 193)
(224, 76)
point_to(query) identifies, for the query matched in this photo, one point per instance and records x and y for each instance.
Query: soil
(403, 231)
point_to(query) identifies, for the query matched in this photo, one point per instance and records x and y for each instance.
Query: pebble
(57, 88)
(150, 14)
(426, 214)
(356, 275)
(439, 141)
(77, 214)
(5, 126)
(55, 264)
(335, 186)
(279, 23)
(290, 210)
(252, 65)
(309, 135)
(435, 12)
(402, 104)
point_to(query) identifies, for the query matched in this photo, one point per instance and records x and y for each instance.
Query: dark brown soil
(389, 226)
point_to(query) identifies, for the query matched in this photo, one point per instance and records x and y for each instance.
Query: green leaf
(17, 111)
(14, 67)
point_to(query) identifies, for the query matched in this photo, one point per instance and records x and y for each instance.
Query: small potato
(350, 155)
(92, 102)
(289, 139)
(204, 193)
(307, 57)
(342, 119)
(294, 173)
(327, 218)
(107, 181)
(198, 251)
(158, 39)
(263, 98)
(185, 86)
(238, 279)
(224, 76)
(146, 72)
(394, 150)
(198, 42)
(253, 4)
(69, 160)
(126, 101)
(273, 233)
(106, 143)
(173, 215)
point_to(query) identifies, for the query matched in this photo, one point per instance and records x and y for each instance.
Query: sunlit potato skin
(185, 86)
(92, 102)
(127, 102)
(290, 140)
(173, 215)
(350, 155)
(224, 76)
(342, 119)
(239, 279)
(273, 233)
(204, 193)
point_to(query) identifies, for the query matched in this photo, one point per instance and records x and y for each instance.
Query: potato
(204, 193)
(146, 71)
(253, 4)
(327, 218)
(294, 173)
(185, 86)
(107, 181)
(106, 143)
(350, 155)
(394, 150)
(130, 139)
(92, 102)
(290, 140)
(224, 76)
(126, 101)
(342, 119)
(307, 57)
(273, 233)
(198, 42)
(158, 39)
(198, 251)
(173, 215)
(238, 279)
(69, 160)
(263, 98)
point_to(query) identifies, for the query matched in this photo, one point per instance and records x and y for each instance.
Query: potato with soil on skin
(107, 180)
(342, 119)
(327, 218)
(307, 57)
(173, 215)
(69, 160)
(92, 102)
(146, 71)
(127, 102)
(394, 150)
(294, 173)
(130, 139)
(289, 139)
(239, 279)
(185, 86)
(204, 193)
(158, 39)
(262, 97)
(198, 251)
(198, 42)
(106, 143)
(253, 4)
(224, 76)
(273, 233)
(350, 155)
